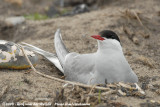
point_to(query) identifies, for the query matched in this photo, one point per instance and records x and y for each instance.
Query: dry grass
(146, 61)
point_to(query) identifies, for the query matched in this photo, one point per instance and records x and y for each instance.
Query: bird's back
(79, 67)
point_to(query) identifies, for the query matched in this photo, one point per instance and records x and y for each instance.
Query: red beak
(98, 37)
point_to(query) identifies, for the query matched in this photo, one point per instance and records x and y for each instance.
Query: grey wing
(79, 67)
(50, 56)
(60, 47)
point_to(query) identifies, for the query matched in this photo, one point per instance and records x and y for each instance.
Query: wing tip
(58, 34)
(58, 30)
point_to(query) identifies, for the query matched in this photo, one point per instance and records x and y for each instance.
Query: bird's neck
(109, 45)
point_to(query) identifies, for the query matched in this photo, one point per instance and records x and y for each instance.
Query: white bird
(107, 65)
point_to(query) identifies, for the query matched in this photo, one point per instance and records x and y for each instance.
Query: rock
(13, 21)
(64, 3)
(11, 56)
(78, 9)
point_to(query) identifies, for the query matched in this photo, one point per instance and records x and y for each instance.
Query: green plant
(99, 96)
(36, 16)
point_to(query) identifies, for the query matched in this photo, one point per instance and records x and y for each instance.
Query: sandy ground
(142, 50)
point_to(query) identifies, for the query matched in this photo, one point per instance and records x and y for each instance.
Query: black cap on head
(109, 35)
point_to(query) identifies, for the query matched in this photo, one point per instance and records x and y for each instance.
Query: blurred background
(49, 8)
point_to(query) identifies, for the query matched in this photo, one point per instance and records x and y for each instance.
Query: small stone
(13, 21)
(82, 8)
(11, 56)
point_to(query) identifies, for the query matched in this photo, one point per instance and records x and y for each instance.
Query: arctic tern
(107, 65)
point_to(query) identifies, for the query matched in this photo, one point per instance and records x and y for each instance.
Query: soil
(137, 23)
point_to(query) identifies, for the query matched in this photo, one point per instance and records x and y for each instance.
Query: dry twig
(139, 20)
(137, 17)
(90, 93)
(125, 85)
(130, 35)
(104, 93)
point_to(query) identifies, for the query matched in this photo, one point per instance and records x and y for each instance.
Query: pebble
(11, 56)
(13, 21)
